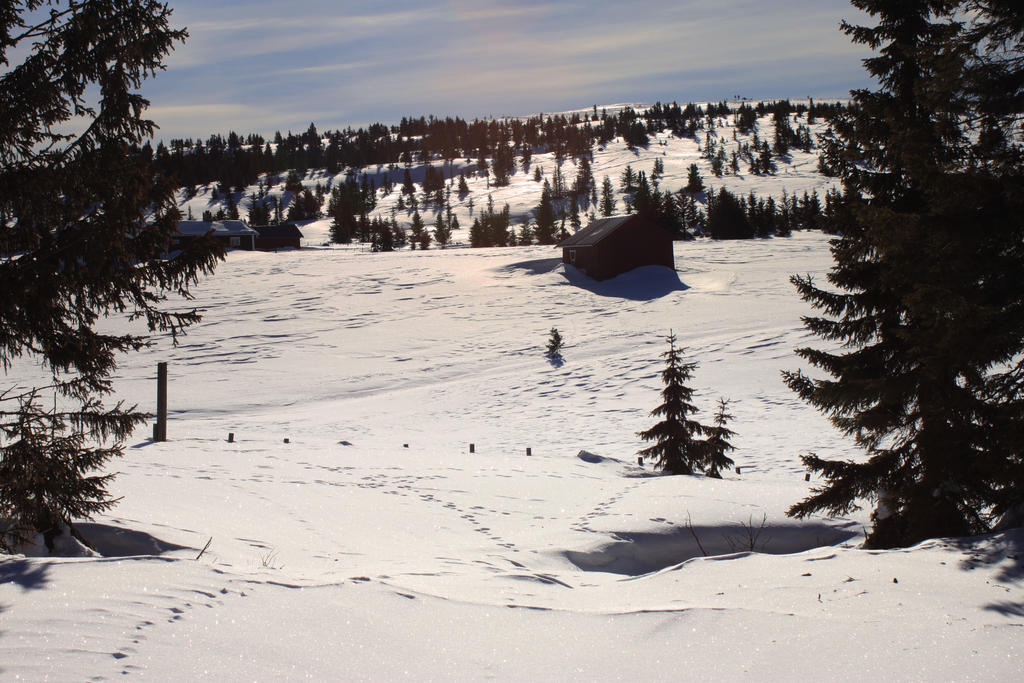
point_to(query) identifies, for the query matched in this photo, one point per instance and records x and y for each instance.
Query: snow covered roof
(284, 230)
(595, 232)
(220, 228)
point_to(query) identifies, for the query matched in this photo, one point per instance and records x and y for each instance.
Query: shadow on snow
(27, 574)
(637, 553)
(112, 541)
(640, 284)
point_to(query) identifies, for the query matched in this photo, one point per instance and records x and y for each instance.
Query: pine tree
(525, 236)
(382, 238)
(49, 473)
(726, 219)
(627, 179)
(416, 230)
(544, 218)
(584, 177)
(677, 448)
(293, 183)
(607, 197)
(476, 234)
(555, 343)
(717, 445)
(442, 231)
(930, 329)
(85, 229)
(658, 171)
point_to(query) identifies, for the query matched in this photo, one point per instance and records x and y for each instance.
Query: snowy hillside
(353, 535)
(795, 173)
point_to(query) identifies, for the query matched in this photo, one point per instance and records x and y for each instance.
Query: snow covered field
(373, 545)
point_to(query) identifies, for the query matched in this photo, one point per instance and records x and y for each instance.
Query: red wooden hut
(611, 246)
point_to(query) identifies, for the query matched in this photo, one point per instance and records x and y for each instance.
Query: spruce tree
(607, 197)
(442, 233)
(85, 231)
(544, 218)
(555, 343)
(924, 301)
(717, 445)
(677, 447)
(574, 216)
(416, 230)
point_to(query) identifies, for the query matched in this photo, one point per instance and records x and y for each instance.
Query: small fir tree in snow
(442, 232)
(416, 230)
(574, 216)
(717, 444)
(555, 344)
(677, 448)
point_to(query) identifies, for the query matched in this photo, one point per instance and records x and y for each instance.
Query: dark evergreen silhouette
(727, 217)
(555, 343)
(544, 218)
(677, 447)
(382, 236)
(416, 230)
(85, 230)
(923, 304)
(607, 205)
(717, 446)
(50, 473)
(442, 231)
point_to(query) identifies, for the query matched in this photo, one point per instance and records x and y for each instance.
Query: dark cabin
(284, 236)
(611, 246)
(232, 234)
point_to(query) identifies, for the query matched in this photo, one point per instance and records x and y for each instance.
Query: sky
(265, 65)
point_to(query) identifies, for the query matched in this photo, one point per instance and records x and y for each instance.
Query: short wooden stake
(807, 477)
(472, 448)
(738, 470)
(405, 445)
(287, 440)
(640, 460)
(204, 548)
(529, 451)
(231, 437)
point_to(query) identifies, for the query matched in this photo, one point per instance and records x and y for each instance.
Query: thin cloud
(335, 62)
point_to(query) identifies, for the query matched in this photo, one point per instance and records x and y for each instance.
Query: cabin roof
(282, 231)
(219, 228)
(595, 232)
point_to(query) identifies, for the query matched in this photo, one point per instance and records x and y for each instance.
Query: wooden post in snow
(160, 429)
